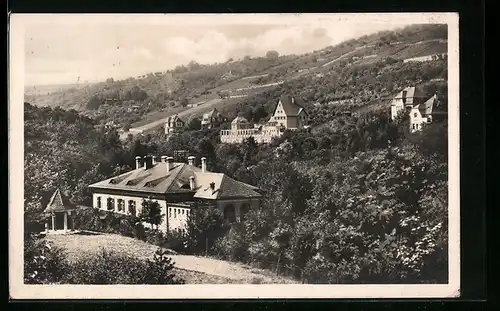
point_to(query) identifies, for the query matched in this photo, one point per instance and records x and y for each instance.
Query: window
(170, 212)
(110, 204)
(182, 212)
(99, 205)
(229, 213)
(175, 213)
(131, 208)
(121, 204)
(415, 115)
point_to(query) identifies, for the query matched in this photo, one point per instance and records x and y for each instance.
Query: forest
(363, 202)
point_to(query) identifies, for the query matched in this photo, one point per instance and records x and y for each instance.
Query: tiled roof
(224, 187)
(174, 118)
(58, 203)
(290, 105)
(426, 108)
(409, 94)
(160, 181)
(153, 180)
(209, 114)
(239, 120)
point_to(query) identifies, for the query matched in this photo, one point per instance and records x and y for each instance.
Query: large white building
(412, 101)
(179, 189)
(288, 114)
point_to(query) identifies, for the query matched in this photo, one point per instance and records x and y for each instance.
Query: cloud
(215, 46)
(101, 51)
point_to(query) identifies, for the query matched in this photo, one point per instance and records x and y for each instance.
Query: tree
(43, 262)
(151, 212)
(194, 124)
(184, 101)
(204, 226)
(94, 102)
(206, 149)
(272, 54)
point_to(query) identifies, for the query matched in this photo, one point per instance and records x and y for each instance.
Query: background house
(179, 189)
(174, 124)
(289, 114)
(412, 101)
(212, 118)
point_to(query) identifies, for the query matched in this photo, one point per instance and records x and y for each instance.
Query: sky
(57, 53)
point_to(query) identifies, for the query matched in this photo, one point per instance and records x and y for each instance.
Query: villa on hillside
(288, 114)
(212, 118)
(179, 188)
(174, 124)
(413, 101)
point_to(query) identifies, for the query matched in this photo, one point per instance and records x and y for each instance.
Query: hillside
(142, 100)
(193, 269)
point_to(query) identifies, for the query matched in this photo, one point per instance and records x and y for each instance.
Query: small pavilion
(59, 214)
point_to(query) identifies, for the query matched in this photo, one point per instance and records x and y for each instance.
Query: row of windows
(119, 204)
(178, 211)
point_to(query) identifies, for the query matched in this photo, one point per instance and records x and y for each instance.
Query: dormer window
(212, 185)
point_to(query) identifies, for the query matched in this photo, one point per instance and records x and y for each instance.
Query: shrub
(159, 270)
(112, 268)
(176, 241)
(234, 245)
(43, 262)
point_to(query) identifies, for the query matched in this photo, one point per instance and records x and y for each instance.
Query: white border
(18, 290)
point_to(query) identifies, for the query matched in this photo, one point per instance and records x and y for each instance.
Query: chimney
(169, 163)
(203, 164)
(163, 159)
(191, 160)
(137, 162)
(148, 162)
(192, 185)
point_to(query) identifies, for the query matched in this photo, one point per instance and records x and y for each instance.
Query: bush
(176, 241)
(234, 245)
(43, 262)
(112, 268)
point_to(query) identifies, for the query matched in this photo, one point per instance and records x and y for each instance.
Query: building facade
(288, 114)
(174, 124)
(212, 119)
(179, 189)
(412, 101)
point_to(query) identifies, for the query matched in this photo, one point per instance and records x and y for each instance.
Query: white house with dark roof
(212, 118)
(288, 114)
(412, 101)
(174, 124)
(179, 188)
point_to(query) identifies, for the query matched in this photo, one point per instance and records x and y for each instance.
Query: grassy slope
(195, 270)
(410, 42)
